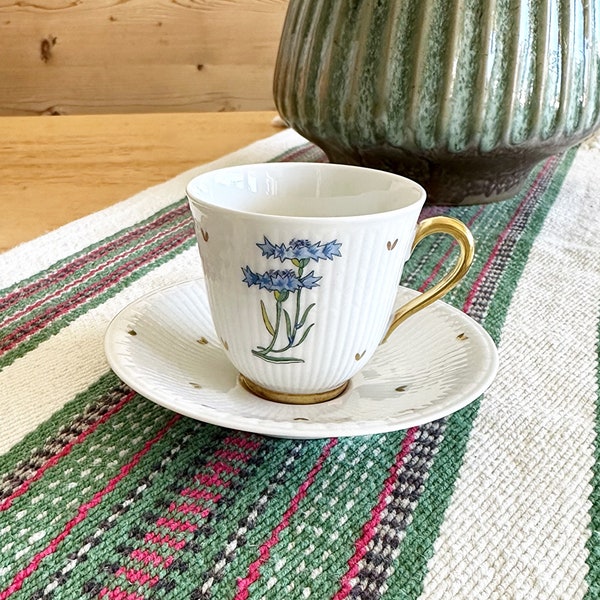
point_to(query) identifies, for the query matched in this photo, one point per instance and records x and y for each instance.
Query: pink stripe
(296, 153)
(88, 275)
(7, 502)
(444, 258)
(483, 273)
(222, 467)
(175, 525)
(156, 538)
(137, 576)
(232, 455)
(201, 494)
(187, 508)
(212, 480)
(119, 594)
(87, 258)
(265, 550)
(151, 558)
(370, 527)
(82, 512)
(53, 312)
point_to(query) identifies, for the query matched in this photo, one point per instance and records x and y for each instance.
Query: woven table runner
(104, 494)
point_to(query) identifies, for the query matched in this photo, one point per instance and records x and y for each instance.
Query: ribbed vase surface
(463, 96)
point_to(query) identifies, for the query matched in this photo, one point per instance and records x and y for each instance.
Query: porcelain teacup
(302, 263)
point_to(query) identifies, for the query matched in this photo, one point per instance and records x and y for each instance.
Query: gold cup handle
(460, 232)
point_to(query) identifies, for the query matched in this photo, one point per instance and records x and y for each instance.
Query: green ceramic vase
(463, 96)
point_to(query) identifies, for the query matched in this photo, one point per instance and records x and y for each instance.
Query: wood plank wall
(122, 56)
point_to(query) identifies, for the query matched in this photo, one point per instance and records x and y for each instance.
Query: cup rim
(418, 203)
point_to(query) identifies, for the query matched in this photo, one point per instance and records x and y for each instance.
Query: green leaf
(277, 359)
(288, 325)
(304, 335)
(266, 320)
(303, 319)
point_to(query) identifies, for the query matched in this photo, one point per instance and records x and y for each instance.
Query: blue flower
(310, 281)
(280, 280)
(300, 250)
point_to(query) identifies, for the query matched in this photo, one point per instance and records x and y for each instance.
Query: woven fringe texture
(104, 494)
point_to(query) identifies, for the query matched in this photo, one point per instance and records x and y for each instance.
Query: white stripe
(518, 520)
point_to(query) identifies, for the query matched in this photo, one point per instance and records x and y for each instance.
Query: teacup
(302, 264)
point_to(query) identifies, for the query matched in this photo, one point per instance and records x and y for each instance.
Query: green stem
(292, 338)
(297, 312)
(277, 322)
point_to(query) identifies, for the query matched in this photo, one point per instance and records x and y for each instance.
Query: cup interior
(305, 190)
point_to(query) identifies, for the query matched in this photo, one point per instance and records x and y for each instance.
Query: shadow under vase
(454, 179)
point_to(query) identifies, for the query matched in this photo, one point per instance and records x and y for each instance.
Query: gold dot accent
(358, 356)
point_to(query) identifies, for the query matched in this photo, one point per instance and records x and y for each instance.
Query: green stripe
(132, 248)
(49, 429)
(593, 543)
(411, 567)
(269, 519)
(331, 515)
(79, 475)
(228, 517)
(146, 492)
(57, 325)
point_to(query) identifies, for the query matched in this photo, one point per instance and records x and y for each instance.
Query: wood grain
(57, 169)
(121, 56)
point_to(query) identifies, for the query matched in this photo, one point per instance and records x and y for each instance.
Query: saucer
(164, 347)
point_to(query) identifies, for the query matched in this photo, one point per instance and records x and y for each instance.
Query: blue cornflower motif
(310, 281)
(279, 280)
(290, 325)
(250, 278)
(300, 250)
(275, 280)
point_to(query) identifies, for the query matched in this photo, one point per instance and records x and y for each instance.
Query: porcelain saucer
(164, 347)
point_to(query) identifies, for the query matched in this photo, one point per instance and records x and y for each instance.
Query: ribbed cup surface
(350, 307)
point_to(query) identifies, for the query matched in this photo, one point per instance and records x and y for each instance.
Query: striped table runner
(104, 494)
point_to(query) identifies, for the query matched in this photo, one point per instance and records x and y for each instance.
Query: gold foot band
(285, 398)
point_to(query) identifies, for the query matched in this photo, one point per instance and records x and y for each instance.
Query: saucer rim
(297, 429)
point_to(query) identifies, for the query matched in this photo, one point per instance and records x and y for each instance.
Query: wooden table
(57, 169)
